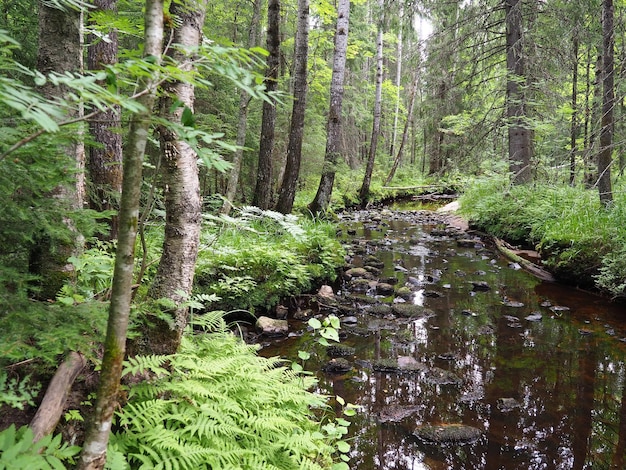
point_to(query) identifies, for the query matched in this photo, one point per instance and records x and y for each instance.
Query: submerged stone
(340, 350)
(447, 433)
(396, 413)
(438, 376)
(337, 366)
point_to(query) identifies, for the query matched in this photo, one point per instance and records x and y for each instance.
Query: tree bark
(294, 147)
(405, 133)
(244, 102)
(93, 455)
(399, 59)
(53, 404)
(183, 204)
(520, 136)
(60, 51)
(574, 123)
(608, 101)
(333, 130)
(105, 158)
(371, 158)
(263, 190)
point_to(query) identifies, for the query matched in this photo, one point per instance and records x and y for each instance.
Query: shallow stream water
(538, 368)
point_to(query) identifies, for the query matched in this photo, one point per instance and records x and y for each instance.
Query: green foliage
(37, 331)
(16, 393)
(258, 258)
(18, 452)
(579, 240)
(219, 405)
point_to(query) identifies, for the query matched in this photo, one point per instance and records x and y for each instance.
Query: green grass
(579, 240)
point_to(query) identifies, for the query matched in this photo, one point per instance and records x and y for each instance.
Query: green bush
(262, 256)
(216, 404)
(19, 452)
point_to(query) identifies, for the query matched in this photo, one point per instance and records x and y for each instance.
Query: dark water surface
(546, 394)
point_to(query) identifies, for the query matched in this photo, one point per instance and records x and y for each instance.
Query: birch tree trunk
(520, 138)
(105, 160)
(183, 205)
(263, 190)
(244, 102)
(608, 101)
(333, 130)
(294, 147)
(399, 60)
(93, 455)
(369, 169)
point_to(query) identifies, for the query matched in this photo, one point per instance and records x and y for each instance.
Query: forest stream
(459, 359)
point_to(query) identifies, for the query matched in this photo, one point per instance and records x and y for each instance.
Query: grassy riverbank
(580, 242)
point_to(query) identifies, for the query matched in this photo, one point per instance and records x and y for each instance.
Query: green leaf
(305, 356)
(187, 118)
(315, 323)
(343, 446)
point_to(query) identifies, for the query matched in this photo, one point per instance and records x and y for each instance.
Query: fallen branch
(529, 266)
(53, 403)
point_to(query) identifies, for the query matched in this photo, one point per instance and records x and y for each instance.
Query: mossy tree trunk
(93, 455)
(605, 159)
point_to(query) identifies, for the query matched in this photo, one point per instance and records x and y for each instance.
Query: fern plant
(218, 405)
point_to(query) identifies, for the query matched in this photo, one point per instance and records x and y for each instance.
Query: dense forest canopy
(128, 128)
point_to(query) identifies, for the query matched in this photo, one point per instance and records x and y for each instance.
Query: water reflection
(546, 393)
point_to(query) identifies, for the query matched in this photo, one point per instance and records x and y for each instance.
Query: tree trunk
(183, 205)
(371, 158)
(93, 455)
(574, 123)
(294, 147)
(608, 101)
(405, 133)
(244, 101)
(520, 136)
(333, 131)
(105, 158)
(396, 114)
(263, 190)
(60, 51)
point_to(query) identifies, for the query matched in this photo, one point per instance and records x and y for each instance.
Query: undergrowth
(216, 404)
(259, 257)
(579, 240)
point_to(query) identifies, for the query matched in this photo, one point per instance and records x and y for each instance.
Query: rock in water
(447, 433)
(271, 327)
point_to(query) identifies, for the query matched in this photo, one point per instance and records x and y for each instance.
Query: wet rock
(340, 350)
(447, 433)
(326, 292)
(380, 310)
(413, 281)
(281, 312)
(385, 365)
(349, 321)
(407, 310)
(432, 293)
(373, 261)
(271, 326)
(403, 364)
(585, 332)
(360, 285)
(373, 271)
(469, 243)
(486, 330)
(400, 269)
(396, 413)
(337, 366)
(480, 286)
(356, 273)
(559, 309)
(510, 318)
(512, 303)
(534, 317)
(303, 314)
(382, 288)
(404, 292)
(469, 313)
(507, 404)
(438, 376)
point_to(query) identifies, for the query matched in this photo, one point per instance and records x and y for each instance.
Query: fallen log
(53, 404)
(529, 266)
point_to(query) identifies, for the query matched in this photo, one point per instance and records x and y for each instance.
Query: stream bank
(459, 359)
